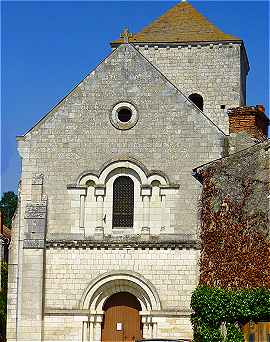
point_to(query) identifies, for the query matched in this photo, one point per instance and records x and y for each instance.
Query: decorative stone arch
(123, 165)
(117, 163)
(88, 177)
(102, 287)
(92, 200)
(111, 288)
(124, 158)
(158, 178)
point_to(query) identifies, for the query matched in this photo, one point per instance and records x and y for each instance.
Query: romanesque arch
(102, 287)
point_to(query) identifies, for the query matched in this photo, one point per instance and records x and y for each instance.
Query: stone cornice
(117, 244)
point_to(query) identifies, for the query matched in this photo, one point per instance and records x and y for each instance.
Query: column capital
(146, 190)
(99, 318)
(100, 190)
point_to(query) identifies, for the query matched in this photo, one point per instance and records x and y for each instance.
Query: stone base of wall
(82, 329)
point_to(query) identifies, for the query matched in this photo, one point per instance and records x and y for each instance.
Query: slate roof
(180, 24)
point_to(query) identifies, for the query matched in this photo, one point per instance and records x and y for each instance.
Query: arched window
(123, 202)
(197, 100)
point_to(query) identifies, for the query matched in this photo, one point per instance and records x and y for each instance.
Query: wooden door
(121, 318)
(259, 332)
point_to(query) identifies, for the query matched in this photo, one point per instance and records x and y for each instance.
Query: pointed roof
(180, 24)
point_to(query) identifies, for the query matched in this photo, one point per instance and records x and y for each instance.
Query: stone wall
(173, 273)
(171, 135)
(76, 328)
(77, 137)
(215, 71)
(69, 271)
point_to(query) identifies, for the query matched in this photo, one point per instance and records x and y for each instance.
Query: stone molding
(121, 161)
(33, 244)
(124, 125)
(191, 44)
(106, 284)
(92, 244)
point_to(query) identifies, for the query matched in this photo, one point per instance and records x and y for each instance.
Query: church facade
(105, 240)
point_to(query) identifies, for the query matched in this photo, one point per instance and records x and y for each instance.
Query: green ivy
(212, 306)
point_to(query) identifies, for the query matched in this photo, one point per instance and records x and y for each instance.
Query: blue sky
(49, 47)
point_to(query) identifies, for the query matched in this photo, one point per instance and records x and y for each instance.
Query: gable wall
(212, 70)
(171, 136)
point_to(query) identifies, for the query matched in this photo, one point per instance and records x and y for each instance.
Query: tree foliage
(8, 205)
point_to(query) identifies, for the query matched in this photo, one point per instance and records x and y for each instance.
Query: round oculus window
(124, 115)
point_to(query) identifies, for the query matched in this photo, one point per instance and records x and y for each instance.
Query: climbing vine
(235, 249)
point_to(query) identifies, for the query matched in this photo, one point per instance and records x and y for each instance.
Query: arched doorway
(121, 318)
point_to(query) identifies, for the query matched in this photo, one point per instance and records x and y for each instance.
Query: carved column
(99, 211)
(97, 336)
(147, 326)
(99, 193)
(91, 328)
(85, 332)
(146, 194)
(82, 210)
(154, 335)
(163, 210)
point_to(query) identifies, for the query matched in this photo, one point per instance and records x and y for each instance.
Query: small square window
(222, 106)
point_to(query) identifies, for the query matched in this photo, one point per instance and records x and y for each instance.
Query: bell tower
(207, 65)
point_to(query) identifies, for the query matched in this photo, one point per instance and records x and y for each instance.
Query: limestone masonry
(108, 204)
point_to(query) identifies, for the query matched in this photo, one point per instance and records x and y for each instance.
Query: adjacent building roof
(180, 24)
(240, 156)
(4, 231)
